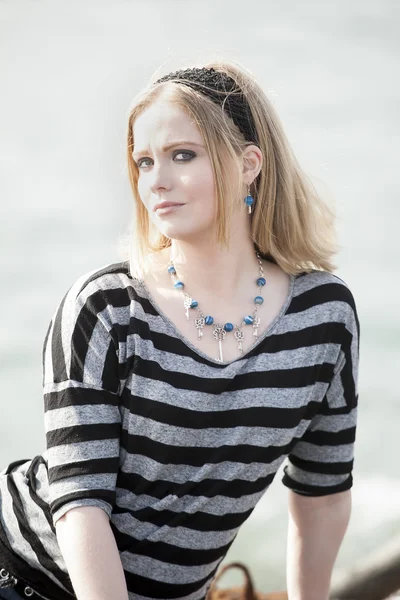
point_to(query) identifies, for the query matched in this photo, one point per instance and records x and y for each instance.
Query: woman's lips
(165, 210)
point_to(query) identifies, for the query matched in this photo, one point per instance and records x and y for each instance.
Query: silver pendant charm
(239, 336)
(219, 333)
(256, 325)
(199, 323)
(187, 303)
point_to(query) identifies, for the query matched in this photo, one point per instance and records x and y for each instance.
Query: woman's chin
(183, 233)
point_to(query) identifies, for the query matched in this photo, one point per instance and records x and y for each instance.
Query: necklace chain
(220, 330)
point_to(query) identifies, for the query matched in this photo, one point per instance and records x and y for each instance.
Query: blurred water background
(68, 71)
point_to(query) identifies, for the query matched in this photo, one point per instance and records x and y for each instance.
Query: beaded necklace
(220, 330)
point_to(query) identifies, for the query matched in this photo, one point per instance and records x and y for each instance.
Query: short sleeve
(321, 462)
(81, 401)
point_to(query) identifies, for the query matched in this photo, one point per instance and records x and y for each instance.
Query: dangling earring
(249, 200)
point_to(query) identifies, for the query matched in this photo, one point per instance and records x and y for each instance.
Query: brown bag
(245, 592)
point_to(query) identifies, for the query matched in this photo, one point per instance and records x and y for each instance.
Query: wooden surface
(375, 578)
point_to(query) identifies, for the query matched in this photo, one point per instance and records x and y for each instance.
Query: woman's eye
(179, 156)
(187, 155)
(140, 162)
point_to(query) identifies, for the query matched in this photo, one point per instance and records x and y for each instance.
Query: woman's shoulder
(108, 276)
(321, 287)
(110, 285)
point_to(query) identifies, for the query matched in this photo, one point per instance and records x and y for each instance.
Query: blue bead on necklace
(219, 330)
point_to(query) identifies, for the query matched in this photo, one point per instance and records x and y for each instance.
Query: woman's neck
(224, 273)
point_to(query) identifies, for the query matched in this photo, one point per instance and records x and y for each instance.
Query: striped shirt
(174, 446)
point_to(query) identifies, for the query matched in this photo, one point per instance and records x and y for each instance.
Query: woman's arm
(317, 525)
(90, 552)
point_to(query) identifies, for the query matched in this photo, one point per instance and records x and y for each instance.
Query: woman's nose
(160, 178)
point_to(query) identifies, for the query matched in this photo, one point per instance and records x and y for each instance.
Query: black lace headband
(222, 90)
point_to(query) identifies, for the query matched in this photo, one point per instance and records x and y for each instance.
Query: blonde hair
(290, 224)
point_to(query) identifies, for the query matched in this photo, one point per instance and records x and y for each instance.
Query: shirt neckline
(196, 350)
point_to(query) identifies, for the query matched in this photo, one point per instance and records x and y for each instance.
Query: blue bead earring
(249, 200)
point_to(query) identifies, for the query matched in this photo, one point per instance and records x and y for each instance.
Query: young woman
(177, 382)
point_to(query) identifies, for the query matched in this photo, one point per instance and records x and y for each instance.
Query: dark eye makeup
(188, 154)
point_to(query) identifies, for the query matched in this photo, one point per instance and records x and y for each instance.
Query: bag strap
(248, 588)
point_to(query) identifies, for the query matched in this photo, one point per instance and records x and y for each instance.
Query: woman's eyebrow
(169, 146)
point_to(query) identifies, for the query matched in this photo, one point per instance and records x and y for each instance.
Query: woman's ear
(252, 162)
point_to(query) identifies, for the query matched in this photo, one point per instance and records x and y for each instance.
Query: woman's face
(174, 167)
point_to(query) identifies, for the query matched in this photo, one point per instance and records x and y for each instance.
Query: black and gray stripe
(175, 447)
